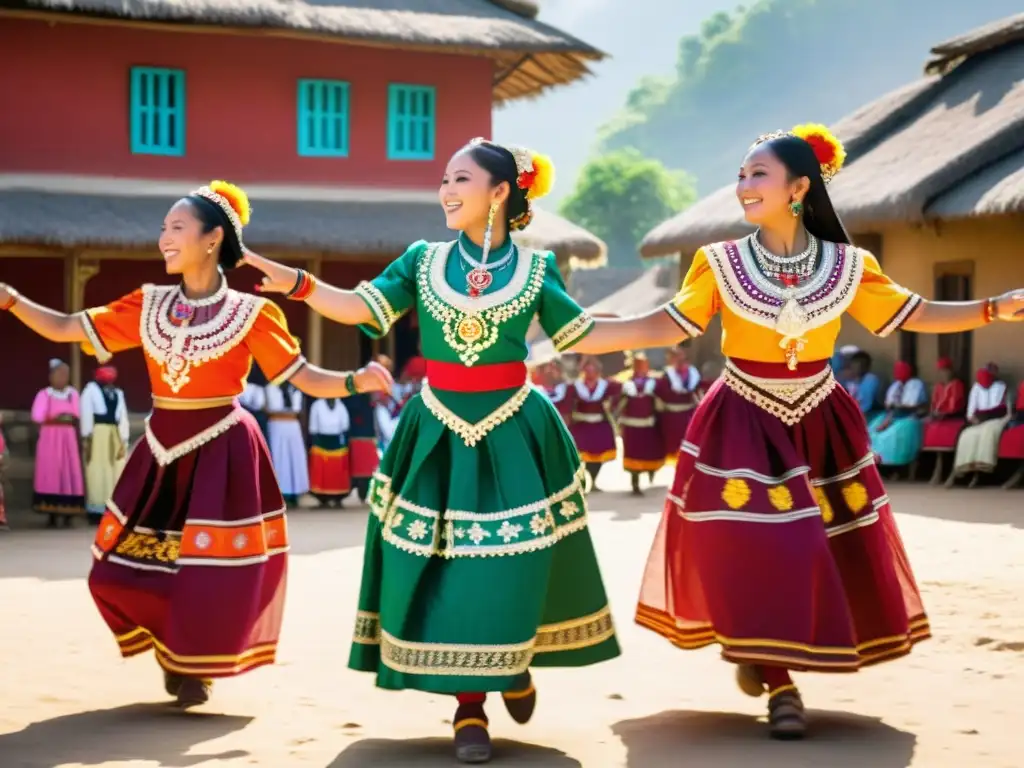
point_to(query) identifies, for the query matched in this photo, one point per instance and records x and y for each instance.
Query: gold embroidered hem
(483, 660)
(789, 400)
(631, 421)
(383, 313)
(472, 434)
(573, 331)
(140, 640)
(428, 532)
(165, 456)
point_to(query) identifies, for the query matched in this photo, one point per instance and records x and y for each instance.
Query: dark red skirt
(673, 430)
(642, 449)
(1011, 444)
(777, 542)
(595, 441)
(330, 475)
(363, 457)
(941, 434)
(190, 553)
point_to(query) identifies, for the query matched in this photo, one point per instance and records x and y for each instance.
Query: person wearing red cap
(105, 435)
(1011, 444)
(946, 416)
(977, 450)
(896, 433)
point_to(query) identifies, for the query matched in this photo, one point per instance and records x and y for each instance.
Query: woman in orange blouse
(777, 541)
(190, 554)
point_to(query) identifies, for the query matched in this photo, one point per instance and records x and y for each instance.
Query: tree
(620, 196)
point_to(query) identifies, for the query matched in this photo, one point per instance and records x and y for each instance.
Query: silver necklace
(489, 266)
(799, 265)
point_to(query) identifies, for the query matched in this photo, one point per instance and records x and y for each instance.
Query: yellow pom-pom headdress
(827, 148)
(232, 200)
(535, 176)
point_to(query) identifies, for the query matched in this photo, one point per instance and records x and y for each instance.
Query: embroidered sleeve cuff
(290, 370)
(94, 345)
(897, 321)
(689, 327)
(571, 333)
(383, 314)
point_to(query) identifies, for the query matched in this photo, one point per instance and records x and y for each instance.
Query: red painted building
(337, 118)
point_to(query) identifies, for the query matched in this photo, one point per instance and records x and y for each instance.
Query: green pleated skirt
(478, 560)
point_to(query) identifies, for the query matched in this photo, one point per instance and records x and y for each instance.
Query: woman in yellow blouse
(777, 540)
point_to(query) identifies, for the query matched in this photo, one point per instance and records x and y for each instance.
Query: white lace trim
(598, 394)
(100, 351)
(629, 389)
(572, 331)
(472, 434)
(165, 456)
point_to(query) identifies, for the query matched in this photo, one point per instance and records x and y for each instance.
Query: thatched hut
(934, 186)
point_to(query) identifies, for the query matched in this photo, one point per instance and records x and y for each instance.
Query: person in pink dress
(946, 418)
(1011, 443)
(59, 487)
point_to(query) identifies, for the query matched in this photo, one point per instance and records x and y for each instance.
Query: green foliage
(621, 195)
(775, 63)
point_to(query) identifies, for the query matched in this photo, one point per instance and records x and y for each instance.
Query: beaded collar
(824, 297)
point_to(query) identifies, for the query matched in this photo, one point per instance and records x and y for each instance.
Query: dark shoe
(193, 692)
(521, 701)
(472, 741)
(172, 683)
(786, 719)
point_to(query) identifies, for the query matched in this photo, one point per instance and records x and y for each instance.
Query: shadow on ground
(33, 552)
(423, 753)
(155, 733)
(688, 739)
(986, 506)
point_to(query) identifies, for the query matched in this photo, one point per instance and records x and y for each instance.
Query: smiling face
(467, 192)
(183, 243)
(764, 188)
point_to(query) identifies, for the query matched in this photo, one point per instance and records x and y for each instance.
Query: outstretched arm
(321, 383)
(655, 329)
(335, 304)
(958, 316)
(48, 323)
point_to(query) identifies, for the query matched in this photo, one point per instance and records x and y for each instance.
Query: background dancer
(637, 415)
(190, 554)
(776, 476)
(105, 436)
(678, 393)
(478, 504)
(59, 489)
(329, 477)
(593, 420)
(287, 443)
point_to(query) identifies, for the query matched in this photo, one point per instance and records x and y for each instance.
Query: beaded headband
(224, 204)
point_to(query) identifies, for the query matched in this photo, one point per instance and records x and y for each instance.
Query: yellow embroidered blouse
(724, 277)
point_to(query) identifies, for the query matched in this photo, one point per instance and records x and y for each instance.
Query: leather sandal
(786, 719)
(193, 692)
(521, 701)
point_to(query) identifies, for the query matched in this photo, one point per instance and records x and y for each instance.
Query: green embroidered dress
(478, 560)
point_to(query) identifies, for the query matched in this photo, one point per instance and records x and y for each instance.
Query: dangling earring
(479, 279)
(209, 251)
(796, 208)
(489, 231)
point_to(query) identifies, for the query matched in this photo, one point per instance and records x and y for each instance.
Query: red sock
(775, 678)
(471, 698)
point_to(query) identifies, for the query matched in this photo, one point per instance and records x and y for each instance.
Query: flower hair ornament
(232, 200)
(536, 177)
(827, 148)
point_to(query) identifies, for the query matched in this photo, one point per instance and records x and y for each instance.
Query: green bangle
(350, 384)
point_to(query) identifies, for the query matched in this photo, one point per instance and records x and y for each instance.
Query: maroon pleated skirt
(643, 449)
(777, 540)
(190, 553)
(1011, 444)
(595, 441)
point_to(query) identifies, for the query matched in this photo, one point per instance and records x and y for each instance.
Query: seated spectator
(896, 433)
(977, 450)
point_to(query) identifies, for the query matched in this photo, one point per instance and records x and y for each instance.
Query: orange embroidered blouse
(724, 277)
(209, 359)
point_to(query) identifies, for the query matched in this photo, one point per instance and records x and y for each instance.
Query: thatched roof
(529, 56)
(905, 150)
(649, 291)
(994, 191)
(372, 227)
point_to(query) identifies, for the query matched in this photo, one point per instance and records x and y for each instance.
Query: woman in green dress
(478, 563)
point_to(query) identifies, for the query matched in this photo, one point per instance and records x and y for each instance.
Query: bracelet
(991, 310)
(12, 299)
(305, 283)
(350, 384)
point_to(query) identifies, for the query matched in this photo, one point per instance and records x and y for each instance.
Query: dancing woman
(777, 540)
(190, 553)
(478, 561)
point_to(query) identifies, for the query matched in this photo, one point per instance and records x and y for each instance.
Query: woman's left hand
(374, 378)
(1010, 306)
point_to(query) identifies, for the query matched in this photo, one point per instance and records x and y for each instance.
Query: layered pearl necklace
(786, 269)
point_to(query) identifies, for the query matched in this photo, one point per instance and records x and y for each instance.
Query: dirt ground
(66, 699)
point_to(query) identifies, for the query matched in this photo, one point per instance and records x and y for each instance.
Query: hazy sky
(640, 36)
